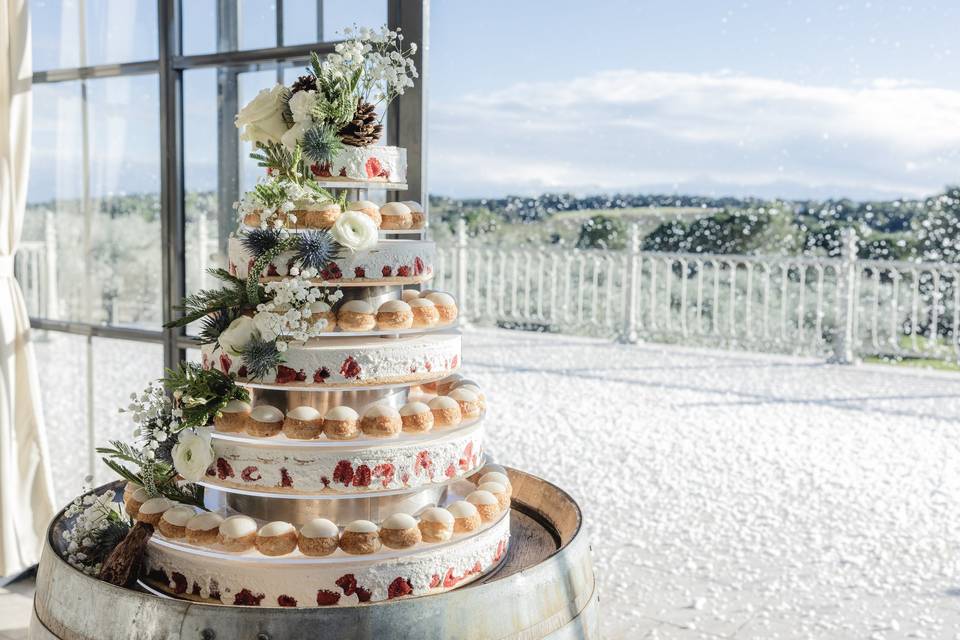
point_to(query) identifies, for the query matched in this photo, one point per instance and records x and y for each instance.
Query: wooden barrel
(544, 589)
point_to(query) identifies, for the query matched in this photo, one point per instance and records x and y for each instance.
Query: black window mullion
(171, 175)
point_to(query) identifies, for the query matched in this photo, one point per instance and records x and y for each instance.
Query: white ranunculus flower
(193, 454)
(294, 134)
(262, 118)
(235, 337)
(300, 105)
(355, 231)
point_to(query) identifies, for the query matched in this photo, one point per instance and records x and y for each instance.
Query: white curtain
(26, 489)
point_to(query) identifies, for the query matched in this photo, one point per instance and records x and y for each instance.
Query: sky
(775, 98)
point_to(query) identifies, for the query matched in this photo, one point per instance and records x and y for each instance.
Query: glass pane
(247, 24)
(115, 31)
(120, 367)
(198, 19)
(64, 408)
(300, 22)
(92, 229)
(338, 14)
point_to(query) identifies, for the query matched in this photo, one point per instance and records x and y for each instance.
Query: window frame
(406, 125)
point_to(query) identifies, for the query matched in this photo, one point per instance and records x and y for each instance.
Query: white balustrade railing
(842, 307)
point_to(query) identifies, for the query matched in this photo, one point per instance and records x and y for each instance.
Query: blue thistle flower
(260, 241)
(316, 249)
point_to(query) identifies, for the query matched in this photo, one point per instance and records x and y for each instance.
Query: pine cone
(304, 83)
(364, 129)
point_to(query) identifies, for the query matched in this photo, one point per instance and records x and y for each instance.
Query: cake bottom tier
(183, 572)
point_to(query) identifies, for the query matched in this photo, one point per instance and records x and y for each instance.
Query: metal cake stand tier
(545, 588)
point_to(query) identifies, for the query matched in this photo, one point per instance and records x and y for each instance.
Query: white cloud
(719, 133)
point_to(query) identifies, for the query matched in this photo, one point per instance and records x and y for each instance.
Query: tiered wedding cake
(326, 451)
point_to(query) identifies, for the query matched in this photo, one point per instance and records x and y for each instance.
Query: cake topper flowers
(336, 102)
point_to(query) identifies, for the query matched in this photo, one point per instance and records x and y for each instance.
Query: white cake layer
(373, 163)
(327, 362)
(333, 580)
(399, 261)
(394, 465)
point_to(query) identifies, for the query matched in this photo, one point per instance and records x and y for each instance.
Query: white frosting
(320, 528)
(420, 302)
(361, 526)
(266, 413)
(276, 528)
(393, 306)
(399, 522)
(491, 487)
(482, 497)
(413, 205)
(463, 509)
(396, 463)
(319, 307)
(394, 209)
(373, 163)
(238, 526)
(156, 505)
(443, 402)
(414, 408)
(495, 476)
(471, 387)
(436, 514)
(179, 515)
(342, 413)
(409, 294)
(357, 306)
(360, 205)
(441, 299)
(462, 394)
(236, 406)
(356, 361)
(304, 413)
(205, 521)
(140, 495)
(415, 257)
(459, 558)
(489, 468)
(381, 410)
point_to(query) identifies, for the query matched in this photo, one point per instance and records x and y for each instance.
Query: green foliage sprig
(234, 296)
(200, 393)
(157, 477)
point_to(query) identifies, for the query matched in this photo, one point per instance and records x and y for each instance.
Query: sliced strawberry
(250, 474)
(320, 375)
(398, 588)
(403, 271)
(343, 473)
(287, 601)
(224, 470)
(350, 368)
(285, 479)
(387, 271)
(179, 582)
(373, 167)
(361, 478)
(248, 598)
(348, 583)
(327, 598)
(417, 266)
(225, 362)
(359, 272)
(285, 374)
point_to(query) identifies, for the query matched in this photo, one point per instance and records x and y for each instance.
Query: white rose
(235, 337)
(301, 104)
(294, 134)
(268, 325)
(355, 231)
(262, 118)
(193, 454)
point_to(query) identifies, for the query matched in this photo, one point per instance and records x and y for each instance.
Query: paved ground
(727, 495)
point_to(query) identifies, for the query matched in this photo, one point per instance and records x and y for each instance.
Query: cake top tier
(325, 125)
